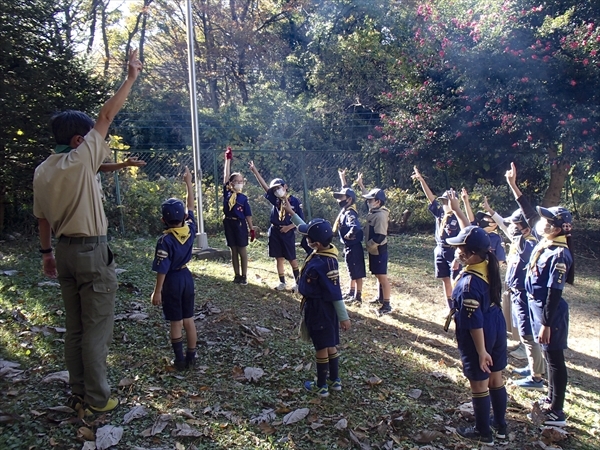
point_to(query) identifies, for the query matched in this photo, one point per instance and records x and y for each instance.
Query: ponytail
(495, 279)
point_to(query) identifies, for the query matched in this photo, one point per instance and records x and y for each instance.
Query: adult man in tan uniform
(67, 201)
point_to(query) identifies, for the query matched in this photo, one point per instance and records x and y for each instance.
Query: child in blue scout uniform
(236, 214)
(485, 221)
(282, 236)
(348, 226)
(446, 226)
(522, 243)
(550, 267)
(480, 328)
(174, 286)
(323, 309)
(378, 219)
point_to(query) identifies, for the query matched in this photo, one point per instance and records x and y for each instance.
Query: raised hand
(228, 153)
(416, 175)
(134, 162)
(464, 195)
(187, 176)
(135, 65)
(511, 174)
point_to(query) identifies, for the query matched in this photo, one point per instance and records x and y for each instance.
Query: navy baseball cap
(516, 217)
(276, 182)
(557, 216)
(348, 192)
(318, 230)
(375, 194)
(173, 210)
(473, 237)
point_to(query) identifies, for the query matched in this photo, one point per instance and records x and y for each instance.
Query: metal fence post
(308, 212)
(118, 197)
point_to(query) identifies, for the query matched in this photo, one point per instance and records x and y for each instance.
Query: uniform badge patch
(162, 254)
(561, 267)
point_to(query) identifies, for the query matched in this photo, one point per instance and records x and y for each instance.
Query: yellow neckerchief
(559, 241)
(479, 270)
(444, 221)
(232, 197)
(281, 209)
(331, 252)
(182, 234)
(338, 220)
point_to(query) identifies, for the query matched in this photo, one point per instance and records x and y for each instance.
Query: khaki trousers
(88, 283)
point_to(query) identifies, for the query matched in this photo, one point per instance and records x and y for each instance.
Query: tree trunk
(105, 40)
(559, 170)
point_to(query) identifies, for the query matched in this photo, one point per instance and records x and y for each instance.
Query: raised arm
(189, 199)
(129, 162)
(359, 181)
(464, 195)
(110, 109)
(417, 176)
(511, 179)
(454, 203)
(342, 174)
(227, 165)
(529, 212)
(495, 216)
(260, 179)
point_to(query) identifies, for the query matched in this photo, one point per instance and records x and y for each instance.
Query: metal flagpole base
(202, 241)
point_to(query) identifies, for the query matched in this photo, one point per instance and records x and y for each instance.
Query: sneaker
(178, 364)
(519, 352)
(334, 385)
(190, 363)
(110, 405)
(294, 288)
(523, 371)
(237, 279)
(311, 386)
(243, 280)
(385, 309)
(473, 434)
(529, 383)
(375, 301)
(499, 430)
(75, 402)
(348, 296)
(555, 418)
(281, 286)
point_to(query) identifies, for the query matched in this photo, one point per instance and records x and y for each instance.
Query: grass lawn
(403, 383)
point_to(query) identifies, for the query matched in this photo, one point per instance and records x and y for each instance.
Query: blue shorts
(560, 325)
(355, 261)
(520, 312)
(378, 263)
(326, 337)
(495, 344)
(282, 245)
(178, 295)
(443, 257)
(236, 232)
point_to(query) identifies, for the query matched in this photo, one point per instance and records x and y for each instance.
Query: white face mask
(542, 227)
(238, 187)
(279, 192)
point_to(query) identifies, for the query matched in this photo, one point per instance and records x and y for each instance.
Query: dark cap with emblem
(558, 217)
(375, 194)
(474, 238)
(318, 230)
(348, 192)
(276, 182)
(516, 217)
(173, 210)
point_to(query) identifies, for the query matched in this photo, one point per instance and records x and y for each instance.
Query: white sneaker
(281, 286)
(295, 288)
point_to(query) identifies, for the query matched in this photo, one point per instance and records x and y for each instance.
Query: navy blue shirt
(549, 264)
(496, 246)
(349, 223)
(170, 253)
(446, 225)
(471, 295)
(276, 202)
(240, 210)
(518, 258)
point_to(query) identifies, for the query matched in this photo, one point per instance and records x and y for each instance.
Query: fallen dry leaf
(108, 436)
(426, 436)
(266, 428)
(374, 381)
(86, 433)
(295, 416)
(184, 430)
(342, 424)
(126, 382)
(135, 413)
(253, 373)
(57, 376)
(415, 393)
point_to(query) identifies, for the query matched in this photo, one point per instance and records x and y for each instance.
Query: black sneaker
(237, 279)
(179, 364)
(190, 363)
(385, 309)
(243, 280)
(555, 418)
(499, 430)
(473, 434)
(348, 296)
(75, 402)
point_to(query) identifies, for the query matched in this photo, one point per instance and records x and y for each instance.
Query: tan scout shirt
(377, 220)
(65, 189)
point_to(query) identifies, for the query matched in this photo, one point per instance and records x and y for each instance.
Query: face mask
(311, 244)
(342, 203)
(542, 227)
(370, 204)
(238, 187)
(280, 192)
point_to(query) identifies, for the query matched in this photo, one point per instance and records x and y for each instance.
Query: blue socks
(322, 371)
(334, 366)
(499, 399)
(481, 408)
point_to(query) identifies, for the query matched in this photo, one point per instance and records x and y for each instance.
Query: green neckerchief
(62, 149)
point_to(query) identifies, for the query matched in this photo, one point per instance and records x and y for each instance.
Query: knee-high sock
(177, 345)
(481, 408)
(499, 399)
(334, 365)
(322, 371)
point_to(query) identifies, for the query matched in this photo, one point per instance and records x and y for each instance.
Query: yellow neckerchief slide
(559, 241)
(281, 209)
(444, 221)
(182, 234)
(232, 198)
(338, 220)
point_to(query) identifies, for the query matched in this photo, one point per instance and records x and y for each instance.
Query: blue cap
(473, 237)
(557, 216)
(516, 217)
(173, 210)
(375, 194)
(483, 219)
(276, 182)
(318, 230)
(348, 192)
